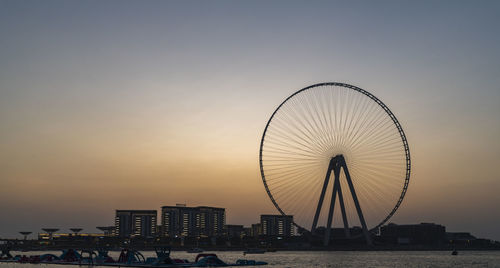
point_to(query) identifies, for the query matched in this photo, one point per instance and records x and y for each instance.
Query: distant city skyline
(135, 104)
(184, 221)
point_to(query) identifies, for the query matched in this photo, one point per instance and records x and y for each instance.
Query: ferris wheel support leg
(356, 203)
(336, 184)
(342, 209)
(322, 196)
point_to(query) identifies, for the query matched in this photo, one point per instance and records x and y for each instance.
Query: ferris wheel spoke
(375, 174)
(312, 112)
(304, 135)
(358, 107)
(284, 192)
(376, 197)
(301, 198)
(273, 145)
(318, 136)
(302, 132)
(293, 138)
(275, 170)
(352, 111)
(320, 113)
(370, 129)
(375, 139)
(381, 154)
(342, 119)
(304, 145)
(326, 116)
(371, 120)
(278, 153)
(369, 195)
(386, 129)
(362, 124)
(278, 181)
(289, 177)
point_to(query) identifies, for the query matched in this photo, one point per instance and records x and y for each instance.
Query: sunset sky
(110, 105)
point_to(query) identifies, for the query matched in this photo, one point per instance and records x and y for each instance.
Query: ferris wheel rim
(389, 113)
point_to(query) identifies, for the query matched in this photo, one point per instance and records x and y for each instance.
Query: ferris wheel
(330, 147)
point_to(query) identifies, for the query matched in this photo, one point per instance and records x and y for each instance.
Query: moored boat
(254, 251)
(195, 250)
(127, 258)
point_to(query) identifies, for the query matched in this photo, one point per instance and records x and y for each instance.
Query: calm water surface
(333, 259)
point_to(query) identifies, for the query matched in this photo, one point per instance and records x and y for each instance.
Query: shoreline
(277, 250)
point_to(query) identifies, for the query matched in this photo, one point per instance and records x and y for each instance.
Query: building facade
(277, 225)
(414, 234)
(183, 221)
(233, 230)
(256, 229)
(135, 223)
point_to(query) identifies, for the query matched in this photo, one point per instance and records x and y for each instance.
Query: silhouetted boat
(127, 258)
(195, 250)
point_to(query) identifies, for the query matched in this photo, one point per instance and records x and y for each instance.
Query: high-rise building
(135, 223)
(277, 225)
(212, 221)
(181, 220)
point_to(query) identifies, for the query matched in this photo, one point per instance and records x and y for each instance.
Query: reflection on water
(331, 259)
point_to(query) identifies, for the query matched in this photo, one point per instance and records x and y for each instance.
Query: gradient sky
(110, 105)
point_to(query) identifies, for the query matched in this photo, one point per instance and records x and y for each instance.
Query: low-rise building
(414, 234)
(233, 230)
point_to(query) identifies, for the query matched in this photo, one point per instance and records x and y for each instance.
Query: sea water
(362, 259)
